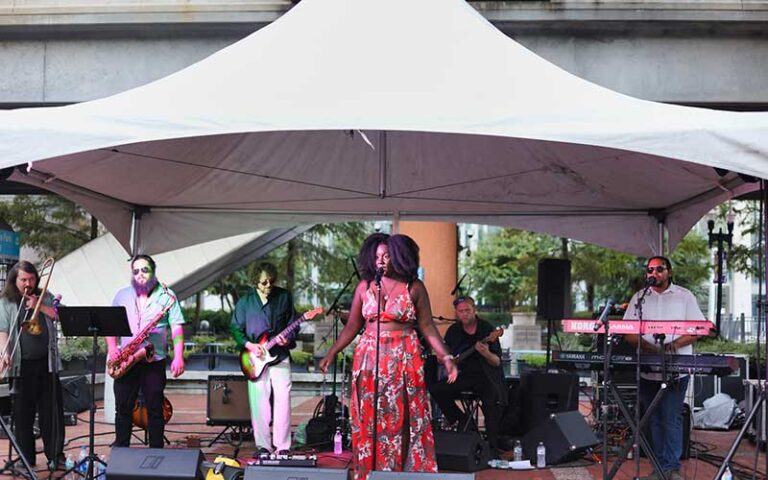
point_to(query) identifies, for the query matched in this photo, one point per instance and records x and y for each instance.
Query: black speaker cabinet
(228, 400)
(566, 436)
(76, 395)
(553, 299)
(461, 451)
(287, 473)
(155, 463)
(420, 476)
(544, 393)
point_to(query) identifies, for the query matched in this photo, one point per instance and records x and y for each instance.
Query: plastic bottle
(541, 455)
(69, 466)
(102, 467)
(337, 446)
(518, 451)
(82, 464)
(727, 475)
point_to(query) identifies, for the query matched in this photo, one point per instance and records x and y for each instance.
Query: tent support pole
(661, 238)
(136, 215)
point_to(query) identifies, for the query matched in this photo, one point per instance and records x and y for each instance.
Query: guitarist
(267, 308)
(480, 372)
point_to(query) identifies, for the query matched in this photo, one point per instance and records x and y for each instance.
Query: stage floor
(189, 414)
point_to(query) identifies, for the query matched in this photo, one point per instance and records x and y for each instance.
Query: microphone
(650, 281)
(56, 302)
(458, 284)
(610, 302)
(354, 267)
(379, 274)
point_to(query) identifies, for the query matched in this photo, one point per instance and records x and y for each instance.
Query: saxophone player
(146, 301)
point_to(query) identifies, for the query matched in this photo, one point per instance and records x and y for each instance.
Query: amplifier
(228, 401)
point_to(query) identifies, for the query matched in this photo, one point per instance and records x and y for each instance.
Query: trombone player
(29, 357)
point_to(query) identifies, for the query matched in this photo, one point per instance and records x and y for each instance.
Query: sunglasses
(142, 270)
(269, 281)
(657, 269)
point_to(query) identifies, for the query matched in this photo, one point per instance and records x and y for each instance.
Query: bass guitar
(492, 337)
(252, 364)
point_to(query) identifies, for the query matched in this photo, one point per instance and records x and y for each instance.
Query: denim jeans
(666, 421)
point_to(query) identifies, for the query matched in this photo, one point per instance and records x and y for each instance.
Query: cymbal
(440, 318)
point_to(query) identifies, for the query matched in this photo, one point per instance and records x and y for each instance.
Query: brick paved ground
(189, 420)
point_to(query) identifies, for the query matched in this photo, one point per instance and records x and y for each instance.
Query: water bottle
(541, 455)
(727, 475)
(518, 451)
(102, 467)
(69, 466)
(82, 464)
(337, 447)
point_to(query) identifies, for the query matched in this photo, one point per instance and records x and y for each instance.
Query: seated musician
(480, 372)
(664, 301)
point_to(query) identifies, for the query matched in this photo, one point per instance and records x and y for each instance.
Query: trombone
(31, 322)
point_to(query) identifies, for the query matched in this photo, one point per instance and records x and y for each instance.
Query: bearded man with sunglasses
(144, 301)
(664, 301)
(267, 308)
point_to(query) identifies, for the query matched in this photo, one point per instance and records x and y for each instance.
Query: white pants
(277, 381)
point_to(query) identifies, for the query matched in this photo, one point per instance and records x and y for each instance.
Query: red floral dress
(405, 440)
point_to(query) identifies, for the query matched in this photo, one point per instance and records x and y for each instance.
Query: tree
(504, 267)
(315, 263)
(50, 224)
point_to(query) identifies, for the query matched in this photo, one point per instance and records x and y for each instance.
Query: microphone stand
(636, 423)
(376, 374)
(331, 400)
(607, 344)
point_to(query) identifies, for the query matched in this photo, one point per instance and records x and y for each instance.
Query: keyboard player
(664, 301)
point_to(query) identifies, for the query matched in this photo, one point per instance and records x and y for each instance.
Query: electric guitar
(492, 337)
(253, 365)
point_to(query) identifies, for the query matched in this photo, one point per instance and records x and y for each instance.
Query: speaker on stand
(553, 294)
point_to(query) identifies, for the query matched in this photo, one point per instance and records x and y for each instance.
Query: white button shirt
(674, 303)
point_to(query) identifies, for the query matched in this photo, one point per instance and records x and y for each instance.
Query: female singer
(388, 270)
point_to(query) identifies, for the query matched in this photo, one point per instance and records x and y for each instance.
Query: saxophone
(135, 350)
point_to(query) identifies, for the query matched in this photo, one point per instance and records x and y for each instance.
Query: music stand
(93, 322)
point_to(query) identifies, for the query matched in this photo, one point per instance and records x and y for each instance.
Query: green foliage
(300, 358)
(314, 263)
(497, 319)
(79, 348)
(218, 320)
(51, 224)
(691, 265)
(603, 273)
(534, 360)
(719, 345)
(504, 267)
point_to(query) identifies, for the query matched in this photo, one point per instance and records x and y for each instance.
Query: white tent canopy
(369, 109)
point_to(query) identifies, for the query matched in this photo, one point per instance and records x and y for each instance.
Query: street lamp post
(720, 238)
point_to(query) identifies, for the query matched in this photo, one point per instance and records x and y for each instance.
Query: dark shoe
(652, 476)
(284, 452)
(263, 452)
(674, 475)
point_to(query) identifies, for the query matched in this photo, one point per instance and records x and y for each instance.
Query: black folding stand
(10, 465)
(93, 322)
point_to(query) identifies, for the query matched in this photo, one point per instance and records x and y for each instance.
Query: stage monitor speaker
(553, 299)
(76, 395)
(155, 463)
(566, 436)
(288, 473)
(461, 451)
(228, 400)
(544, 393)
(419, 476)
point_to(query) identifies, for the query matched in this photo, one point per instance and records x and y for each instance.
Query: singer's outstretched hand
(324, 363)
(450, 368)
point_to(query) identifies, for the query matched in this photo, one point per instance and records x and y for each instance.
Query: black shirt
(460, 341)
